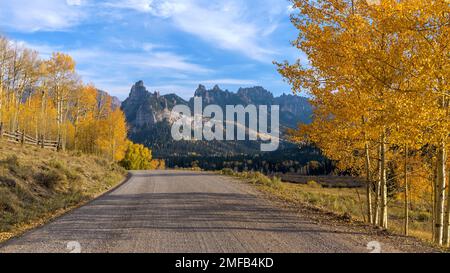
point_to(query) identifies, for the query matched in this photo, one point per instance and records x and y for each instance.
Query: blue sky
(173, 45)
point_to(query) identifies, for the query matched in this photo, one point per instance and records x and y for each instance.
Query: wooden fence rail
(22, 138)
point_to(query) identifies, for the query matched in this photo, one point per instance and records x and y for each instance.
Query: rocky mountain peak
(201, 90)
(149, 114)
(139, 91)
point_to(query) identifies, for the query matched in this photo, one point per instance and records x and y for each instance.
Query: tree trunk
(440, 195)
(433, 202)
(376, 214)
(446, 238)
(406, 192)
(384, 208)
(368, 185)
(42, 126)
(60, 122)
(58, 119)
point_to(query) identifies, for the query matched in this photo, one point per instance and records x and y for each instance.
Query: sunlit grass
(347, 202)
(37, 185)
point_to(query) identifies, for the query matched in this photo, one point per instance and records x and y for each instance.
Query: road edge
(65, 212)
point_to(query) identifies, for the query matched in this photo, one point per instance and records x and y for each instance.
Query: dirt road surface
(181, 211)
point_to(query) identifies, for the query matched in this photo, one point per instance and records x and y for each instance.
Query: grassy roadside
(346, 203)
(38, 185)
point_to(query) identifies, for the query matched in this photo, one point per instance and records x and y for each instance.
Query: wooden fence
(22, 138)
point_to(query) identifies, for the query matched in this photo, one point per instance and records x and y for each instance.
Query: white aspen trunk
(11, 117)
(75, 124)
(440, 195)
(406, 227)
(376, 215)
(64, 113)
(13, 89)
(433, 202)
(446, 238)
(368, 185)
(384, 208)
(59, 121)
(446, 231)
(42, 118)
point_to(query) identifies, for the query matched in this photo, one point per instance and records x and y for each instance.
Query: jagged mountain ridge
(144, 109)
(148, 115)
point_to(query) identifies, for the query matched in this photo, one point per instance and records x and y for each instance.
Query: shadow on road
(172, 174)
(191, 212)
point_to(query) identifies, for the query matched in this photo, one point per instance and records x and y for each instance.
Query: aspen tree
(327, 31)
(84, 103)
(429, 25)
(4, 55)
(61, 77)
(386, 68)
(113, 135)
(46, 98)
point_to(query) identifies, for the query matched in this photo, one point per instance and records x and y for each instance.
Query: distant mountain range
(148, 115)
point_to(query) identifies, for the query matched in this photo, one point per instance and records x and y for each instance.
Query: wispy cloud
(171, 44)
(152, 61)
(233, 25)
(104, 68)
(228, 81)
(149, 58)
(47, 15)
(164, 8)
(227, 25)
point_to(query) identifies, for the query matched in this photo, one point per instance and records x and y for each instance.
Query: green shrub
(12, 160)
(50, 179)
(24, 194)
(102, 161)
(254, 177)
(8, 202)
(313, 184)
(14, 166)
(57, 164)
(76, 153)
(137, 157)
(6, 181)
(227, 171)
(421, 216)
(71, 175)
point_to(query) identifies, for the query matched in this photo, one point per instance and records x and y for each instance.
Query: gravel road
(181, 211)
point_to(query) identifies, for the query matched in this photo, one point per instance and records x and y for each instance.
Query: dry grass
(256, 178)
(346, 202)
(37, 185)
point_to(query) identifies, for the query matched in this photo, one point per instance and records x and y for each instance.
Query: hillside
(36, 184)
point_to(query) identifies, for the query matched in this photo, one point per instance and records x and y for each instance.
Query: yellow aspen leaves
(47, 99)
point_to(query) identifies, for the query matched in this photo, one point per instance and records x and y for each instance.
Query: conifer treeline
(378, 75)
(47, 99)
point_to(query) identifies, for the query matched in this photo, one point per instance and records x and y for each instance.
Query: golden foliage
(46, 99)
(378, 75)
